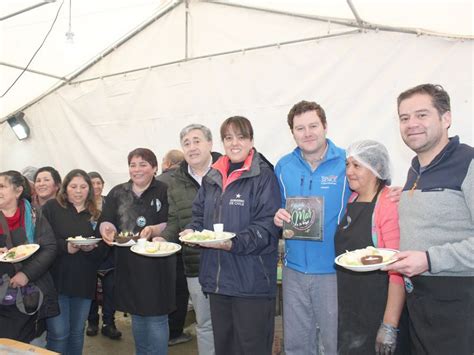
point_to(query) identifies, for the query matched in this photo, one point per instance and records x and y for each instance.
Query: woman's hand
(159, 239)
(108, 232)
(19, 280)
(88, 248)
(72, 248)
(280, 216)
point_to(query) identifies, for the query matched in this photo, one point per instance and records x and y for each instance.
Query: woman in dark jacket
(73, 213)
(144, 287)
(24, 227)
(240, 191)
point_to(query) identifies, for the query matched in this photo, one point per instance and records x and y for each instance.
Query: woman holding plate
(19, 226)
(241, 192)
(369, 304)
(73, 213)
(144, 286)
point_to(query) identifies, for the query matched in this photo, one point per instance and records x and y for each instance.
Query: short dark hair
(95, 175)
(439, 96)
(144, 153)
(90, 203)
(17, 180)
(54, 174)
(239, 124)
(306, 106)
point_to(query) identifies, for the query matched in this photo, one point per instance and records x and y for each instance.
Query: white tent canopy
(120, 89)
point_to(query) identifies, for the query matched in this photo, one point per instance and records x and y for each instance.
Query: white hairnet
(29, 172)
(374, 156)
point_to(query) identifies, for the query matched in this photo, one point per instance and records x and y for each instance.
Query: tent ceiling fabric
(93, 122)
(97, 25)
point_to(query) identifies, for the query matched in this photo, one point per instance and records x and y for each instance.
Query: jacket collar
(444, 154)
(331, 153)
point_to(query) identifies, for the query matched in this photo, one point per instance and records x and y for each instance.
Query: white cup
(141, 243)
(218, 227)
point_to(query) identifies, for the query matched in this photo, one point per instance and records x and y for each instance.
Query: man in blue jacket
(316, 167)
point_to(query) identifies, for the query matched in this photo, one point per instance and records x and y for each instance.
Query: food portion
(79, 238)
(366, 256)
(125, 236)
(160, 247)
(371, 259)
(206, 236)
(20, 252)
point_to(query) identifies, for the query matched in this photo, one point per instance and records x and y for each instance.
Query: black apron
(362, 296)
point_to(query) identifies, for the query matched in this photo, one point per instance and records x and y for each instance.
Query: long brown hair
(90, 204)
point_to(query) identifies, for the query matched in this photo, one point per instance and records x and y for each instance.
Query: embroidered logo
(237, 201)
(141, 221)
(329, 180)
(157, 203)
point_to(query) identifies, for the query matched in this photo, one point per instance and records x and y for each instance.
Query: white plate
(127, 244)
(158, 254)
(34, 248)
(366, 268)
(220, 237)
(85, 241)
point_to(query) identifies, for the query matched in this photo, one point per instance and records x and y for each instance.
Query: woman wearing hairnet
(370, 303)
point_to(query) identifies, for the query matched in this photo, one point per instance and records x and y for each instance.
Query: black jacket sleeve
(39, 263)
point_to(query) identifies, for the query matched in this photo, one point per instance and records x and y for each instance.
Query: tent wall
(356, 78)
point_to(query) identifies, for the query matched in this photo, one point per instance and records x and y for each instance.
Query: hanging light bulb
(69, 33)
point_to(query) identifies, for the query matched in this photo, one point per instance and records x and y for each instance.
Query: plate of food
(156, 249)
(19, 253)
(206, 237)
(367, 259)
(80, 240)
(125, 239)
(125, 244)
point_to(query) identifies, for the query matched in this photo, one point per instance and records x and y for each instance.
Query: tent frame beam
(243, 50)
(33, 71)
(363, 25)
(19, 12)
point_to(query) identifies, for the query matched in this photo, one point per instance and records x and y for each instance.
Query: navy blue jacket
(246, 207)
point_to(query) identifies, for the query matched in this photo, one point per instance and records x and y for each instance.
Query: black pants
(178, 317)
(441, 315)
(242, 326)
(108, 302)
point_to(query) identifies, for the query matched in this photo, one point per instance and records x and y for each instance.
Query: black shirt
(144, 286)
(73, 274)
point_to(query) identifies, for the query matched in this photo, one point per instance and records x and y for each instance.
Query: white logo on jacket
(237, 201)
(329, 180)
(157, 203)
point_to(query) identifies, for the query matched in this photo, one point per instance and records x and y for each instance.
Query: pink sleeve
(388, 230)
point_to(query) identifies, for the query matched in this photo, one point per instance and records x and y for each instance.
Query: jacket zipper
(418, 174)
(217, 219)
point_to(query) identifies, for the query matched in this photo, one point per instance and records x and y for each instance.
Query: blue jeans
(150, 334)
(66, 331)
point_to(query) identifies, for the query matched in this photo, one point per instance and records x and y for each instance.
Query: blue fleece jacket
(296, 179)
